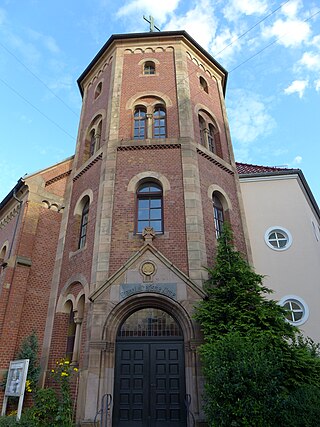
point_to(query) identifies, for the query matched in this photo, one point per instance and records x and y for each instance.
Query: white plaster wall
(283, 202)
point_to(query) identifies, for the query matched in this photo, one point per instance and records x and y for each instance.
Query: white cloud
(48, 42)
(235, 8)
(316, 41)
(291, 33)
(311, 61)
(297, 160)
(223, 39)
(317, 85)
(158, 9)
(297, 86)
(291, 8)
(199, 22)
(249, 118)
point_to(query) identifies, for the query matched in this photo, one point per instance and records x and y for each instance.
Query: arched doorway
(149, 384)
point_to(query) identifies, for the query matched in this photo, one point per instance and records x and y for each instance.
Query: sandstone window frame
(218, 213)
(84, 224)
(149, 206)
(216, 190)
(209, 132)
(149, 68)
(93, 136)
(3, 252)
(87, 195)
(204, 84)
(74, 307)
(98, 90)
(152, 124)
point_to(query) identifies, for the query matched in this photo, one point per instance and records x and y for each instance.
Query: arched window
(149, 68)
(70, 335)
(209, 133)
(93, 135)
(3, 254)
(217, 214)
(84, 224)
(203, 84)
(202, 127)
(159, 122)
(139, 123)
(98, 90)
(211, 141)
(149, 206)
(150, 322)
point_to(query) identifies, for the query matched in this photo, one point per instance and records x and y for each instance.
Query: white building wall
(281, 201)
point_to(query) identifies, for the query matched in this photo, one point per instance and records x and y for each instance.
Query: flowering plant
(61, 375)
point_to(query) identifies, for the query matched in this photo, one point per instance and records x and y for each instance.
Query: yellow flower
(52, 370)
(64, 374)
(75, 369)
(66, 362)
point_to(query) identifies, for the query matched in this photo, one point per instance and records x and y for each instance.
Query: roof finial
(151, 22)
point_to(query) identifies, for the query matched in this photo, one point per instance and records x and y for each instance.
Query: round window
(278, 238)
(297, 309)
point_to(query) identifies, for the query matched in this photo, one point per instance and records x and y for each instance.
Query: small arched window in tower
(140, 115)
(84, 224)
(149, 68)
(92, 142)
(149, 207)
(3, 254)
(159, 122)
(98, 90)
(203, 84)
(217, 214)
(202, 128)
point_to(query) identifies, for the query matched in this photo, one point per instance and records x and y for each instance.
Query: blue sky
(273, 59)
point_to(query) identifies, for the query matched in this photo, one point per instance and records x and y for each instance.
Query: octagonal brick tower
(153, 150)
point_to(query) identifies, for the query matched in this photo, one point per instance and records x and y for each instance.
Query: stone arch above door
(135, 302)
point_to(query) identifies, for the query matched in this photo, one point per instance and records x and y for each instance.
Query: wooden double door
(149, 383)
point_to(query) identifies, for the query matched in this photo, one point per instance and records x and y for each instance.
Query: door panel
(149, 385)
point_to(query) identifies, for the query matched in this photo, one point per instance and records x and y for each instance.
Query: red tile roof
(245, 168)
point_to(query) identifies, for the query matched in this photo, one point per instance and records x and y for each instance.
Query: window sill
(138, 236)
(72, 254)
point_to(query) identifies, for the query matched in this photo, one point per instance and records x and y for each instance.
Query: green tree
(29, 350)
(258, 368)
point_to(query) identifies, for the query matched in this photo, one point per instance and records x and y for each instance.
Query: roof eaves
(12, 193)
(160, 34)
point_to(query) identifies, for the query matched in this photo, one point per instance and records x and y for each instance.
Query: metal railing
(104, 411)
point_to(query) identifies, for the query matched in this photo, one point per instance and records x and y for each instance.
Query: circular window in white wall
(278, 238)
(297, 309)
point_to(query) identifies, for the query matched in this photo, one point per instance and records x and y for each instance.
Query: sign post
(16, 384)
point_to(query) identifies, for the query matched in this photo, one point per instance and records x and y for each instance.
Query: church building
(103, 254)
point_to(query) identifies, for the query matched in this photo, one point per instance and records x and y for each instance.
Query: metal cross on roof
(151, 22)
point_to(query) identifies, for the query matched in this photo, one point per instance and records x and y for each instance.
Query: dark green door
(149, 382)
